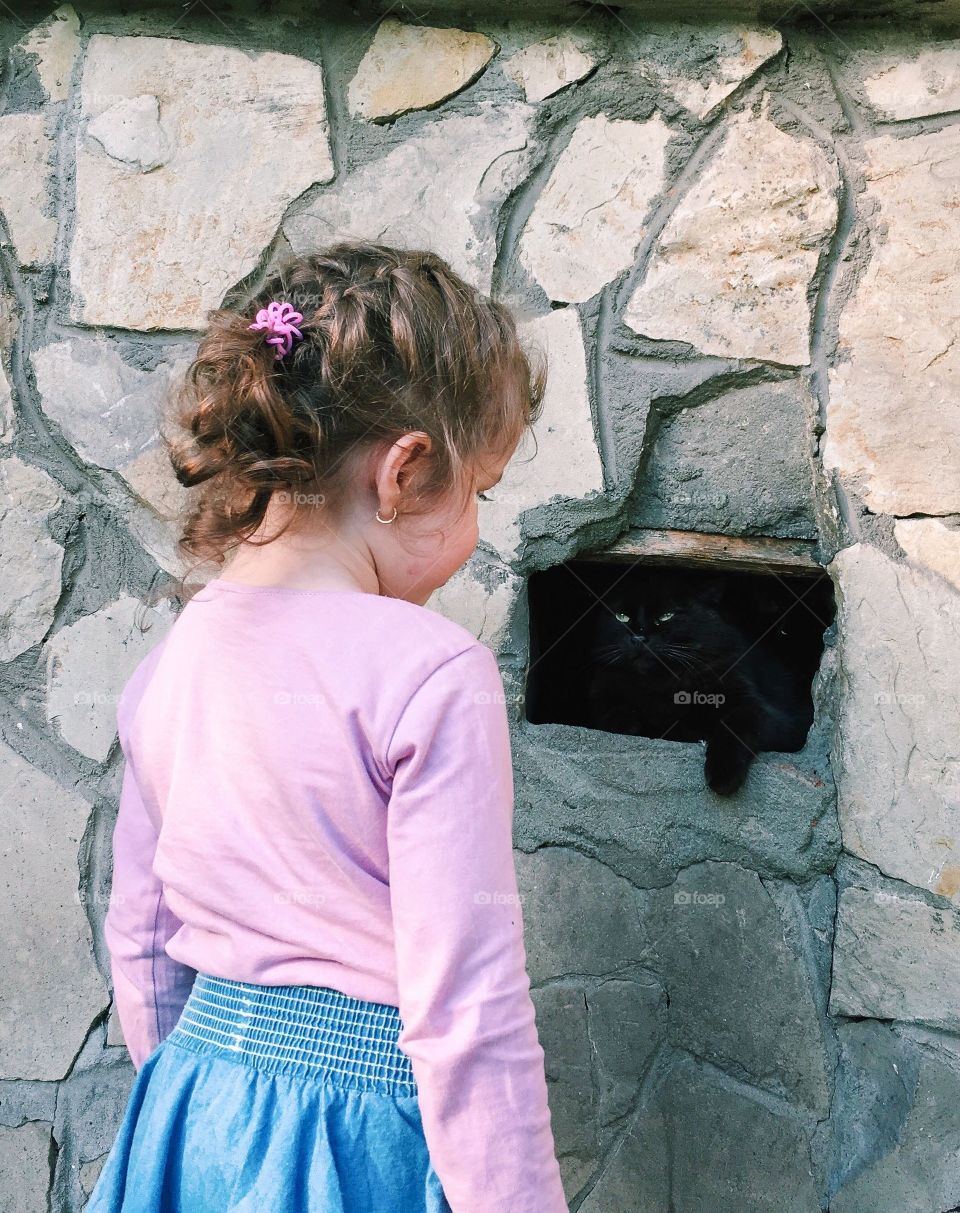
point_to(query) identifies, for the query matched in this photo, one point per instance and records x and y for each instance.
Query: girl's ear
(399, 465)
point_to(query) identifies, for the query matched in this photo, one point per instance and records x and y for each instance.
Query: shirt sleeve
(464, 993)
(149, 987)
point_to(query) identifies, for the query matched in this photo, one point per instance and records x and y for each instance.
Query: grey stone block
(737, 465)
(641, 805)
(741, 996)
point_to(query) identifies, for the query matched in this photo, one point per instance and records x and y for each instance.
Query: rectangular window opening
(683, 637)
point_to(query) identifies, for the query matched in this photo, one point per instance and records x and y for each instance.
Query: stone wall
(737, 246)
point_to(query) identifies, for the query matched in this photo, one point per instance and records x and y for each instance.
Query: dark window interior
(655, 650)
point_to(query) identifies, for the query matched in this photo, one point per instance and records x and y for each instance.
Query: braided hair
(393, 340)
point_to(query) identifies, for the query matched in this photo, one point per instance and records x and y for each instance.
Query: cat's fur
(687, 642)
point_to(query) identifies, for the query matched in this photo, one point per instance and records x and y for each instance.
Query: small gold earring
(390, 519)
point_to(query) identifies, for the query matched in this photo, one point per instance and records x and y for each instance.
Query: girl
(315, 931)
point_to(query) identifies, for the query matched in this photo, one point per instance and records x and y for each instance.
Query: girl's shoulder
(347, 627)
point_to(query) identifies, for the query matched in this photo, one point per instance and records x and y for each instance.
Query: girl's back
(315, 931)
(264, 732)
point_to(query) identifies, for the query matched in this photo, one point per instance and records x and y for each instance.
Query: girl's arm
(464, 993)
(149, 987)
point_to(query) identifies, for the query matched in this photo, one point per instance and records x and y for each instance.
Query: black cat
(682, 655)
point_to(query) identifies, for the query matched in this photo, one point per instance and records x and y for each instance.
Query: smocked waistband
(305, 1030)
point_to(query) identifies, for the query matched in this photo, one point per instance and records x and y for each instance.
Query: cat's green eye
(665, 616)
(623, 616)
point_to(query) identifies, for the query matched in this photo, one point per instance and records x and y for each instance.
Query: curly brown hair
(393, 340)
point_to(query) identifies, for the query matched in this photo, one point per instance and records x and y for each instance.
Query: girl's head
(405, 398)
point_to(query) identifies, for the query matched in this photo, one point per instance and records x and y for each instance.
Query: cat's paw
(725, 773)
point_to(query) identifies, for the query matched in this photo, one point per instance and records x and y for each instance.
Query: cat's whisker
(683, 657)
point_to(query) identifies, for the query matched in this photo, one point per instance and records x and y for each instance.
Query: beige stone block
(731, 270)
(893, 419)
(895, 753)
(591, 215)
(48, 949)
(415, 67)
(188, 155)
(544, 68)
(30, 559)
(559, 459)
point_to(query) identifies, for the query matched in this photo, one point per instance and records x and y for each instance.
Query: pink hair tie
(279, 319)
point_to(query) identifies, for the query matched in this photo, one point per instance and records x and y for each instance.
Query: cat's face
(666, 626)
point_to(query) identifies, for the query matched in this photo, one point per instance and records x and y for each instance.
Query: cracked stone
(414, 67)
(580, 917)
(896, 958)
(703, 1144)
(562, 1030)
(88, 663)
(91, 1105)
(591, 215)
(731, 271)
(559, 459)
(598, 1044)
(30, 559)
(6, 408)
(895, 753)
(740, 995)
(90, 1173)
(931, 544)
(875, 1090)
(732, 1151)
(640, 804)
(636, 1172)
(130, 132)
(903, 76)
(544, 68)
(159, 249)
(26, 150)
(48, 946)
(918, 1169)
(893, 418)
(482, 611)
(9, 323)
(25, 1166)
(625, 1024)
(114, 1030)
(738, 465)
(110, 413)
(700, 66)
(447, 185)
(55, 42)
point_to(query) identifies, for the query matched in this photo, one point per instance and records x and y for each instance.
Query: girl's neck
(304, 562)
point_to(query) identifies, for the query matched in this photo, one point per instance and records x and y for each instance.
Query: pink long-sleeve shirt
(318, 790)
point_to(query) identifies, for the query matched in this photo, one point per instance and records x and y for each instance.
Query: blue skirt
(273, 1099)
